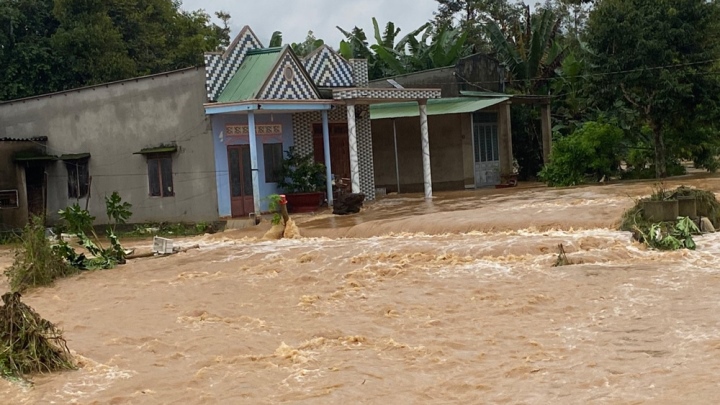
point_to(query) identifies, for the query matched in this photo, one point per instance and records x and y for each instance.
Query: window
(9, 199)
(273, 154)
(160, 175)
(78, 177)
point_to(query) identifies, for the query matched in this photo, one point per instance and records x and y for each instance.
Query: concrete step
(240, 223)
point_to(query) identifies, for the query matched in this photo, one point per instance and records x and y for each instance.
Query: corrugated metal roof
(33, 139)
(440, 106)
(252, 74)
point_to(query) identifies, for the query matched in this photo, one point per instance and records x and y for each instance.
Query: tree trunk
(659, 144)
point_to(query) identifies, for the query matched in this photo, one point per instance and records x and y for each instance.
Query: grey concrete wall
(113, 121)
(447, 154)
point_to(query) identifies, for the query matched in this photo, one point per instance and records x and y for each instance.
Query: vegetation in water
(274, 206)
(28, 343)
(36, 262)
(669, 235)
(79, 222)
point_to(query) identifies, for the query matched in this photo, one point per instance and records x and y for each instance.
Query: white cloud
(296, 17)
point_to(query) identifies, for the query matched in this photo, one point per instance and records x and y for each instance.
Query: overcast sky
(296, 17)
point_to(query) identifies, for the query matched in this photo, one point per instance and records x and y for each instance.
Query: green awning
(74, 156)
(35, 158)
(159, 149)
(439, 106)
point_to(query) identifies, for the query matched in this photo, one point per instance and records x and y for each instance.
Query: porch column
(546, 132)
(326, 147)
(425, 135)
(352, 138)
(505, 135)
(254, 163)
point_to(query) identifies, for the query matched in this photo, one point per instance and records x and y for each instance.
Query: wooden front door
(339, 149)
(241, 191)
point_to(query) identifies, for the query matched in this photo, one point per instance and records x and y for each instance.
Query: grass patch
(28, 343)
(36, 262)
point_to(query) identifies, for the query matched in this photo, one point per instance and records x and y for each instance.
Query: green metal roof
(483, 94)
(159, 149)
(438, 106)
(74, 156)
(250, 77)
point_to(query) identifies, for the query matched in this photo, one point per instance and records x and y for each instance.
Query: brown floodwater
(453, 301)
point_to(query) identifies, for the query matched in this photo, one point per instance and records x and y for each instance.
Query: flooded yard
(452, 301)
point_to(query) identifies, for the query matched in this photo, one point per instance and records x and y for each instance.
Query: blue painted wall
(221, 141)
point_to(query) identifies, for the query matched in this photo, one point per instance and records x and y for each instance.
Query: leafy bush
(301, 174)
(669, 235)
(80, 222)
(594, 149)
(36, 262)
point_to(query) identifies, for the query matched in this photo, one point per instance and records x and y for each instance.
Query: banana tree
(530, 51)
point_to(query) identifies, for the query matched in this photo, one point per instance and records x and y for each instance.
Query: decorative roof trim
(287, 50)
(379, 94)
(32, 139)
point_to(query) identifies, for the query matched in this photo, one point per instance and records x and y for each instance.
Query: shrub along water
(36, 262)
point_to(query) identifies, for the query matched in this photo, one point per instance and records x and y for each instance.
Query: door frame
(244, 204)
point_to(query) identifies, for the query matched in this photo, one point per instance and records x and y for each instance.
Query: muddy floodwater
(454, 301)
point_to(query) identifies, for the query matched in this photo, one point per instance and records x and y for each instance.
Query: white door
(486, 150)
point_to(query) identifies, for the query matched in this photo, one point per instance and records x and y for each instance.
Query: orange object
(283, 200)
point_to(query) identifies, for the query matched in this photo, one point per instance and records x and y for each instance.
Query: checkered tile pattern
(220, 68)
(298, 88)
(303, 139)
(386, 94)
(303, 132)
(328, 69)
(365, 151)
(360, 72)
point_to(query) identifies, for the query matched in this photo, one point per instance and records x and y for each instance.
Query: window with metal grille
(78, 177)
(273, 156)
(160, 175)
(9, 199)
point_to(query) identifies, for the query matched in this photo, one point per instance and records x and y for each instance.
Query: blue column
(254, 163)
(326, 147)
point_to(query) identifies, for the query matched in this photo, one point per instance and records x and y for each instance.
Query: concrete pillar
(546, 131)
(328, 167)
(505, 140)
(254, 163)
(352, 138)
(425, 136)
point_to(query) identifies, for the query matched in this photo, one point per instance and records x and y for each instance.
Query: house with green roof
(263, 101)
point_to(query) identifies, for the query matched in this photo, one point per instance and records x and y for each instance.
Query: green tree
(471, 17)
(529, 51)
(28, 64)
(427, 47)
(53, 45)
(659, 58)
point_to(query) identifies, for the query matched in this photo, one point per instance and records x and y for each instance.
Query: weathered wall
(474, 73)
(12, 177)
(111, 122)
(446, 152)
